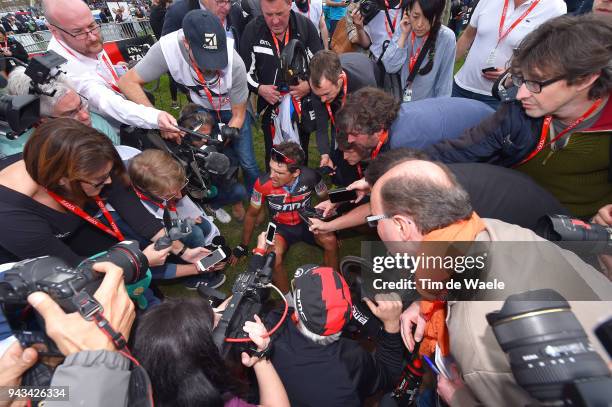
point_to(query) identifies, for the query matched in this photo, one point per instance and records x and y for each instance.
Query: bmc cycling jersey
(285, 202)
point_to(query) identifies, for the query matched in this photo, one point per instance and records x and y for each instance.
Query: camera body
(63, 283)
(249, 292)
(368, 9)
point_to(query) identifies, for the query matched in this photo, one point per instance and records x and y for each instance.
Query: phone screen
(342, 195)
(212, 259)
(270, 233)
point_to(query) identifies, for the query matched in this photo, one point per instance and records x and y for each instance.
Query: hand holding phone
(489, 69)
(211, 260)
(270, 233)
(342, 195)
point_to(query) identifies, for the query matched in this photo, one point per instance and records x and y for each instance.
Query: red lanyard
(546, 126)
(287, 35)
(171, 207)
(109, 67)
(389, 29)
(502, 35)
(344, 87)
(381, 140)
(115, 232)
(413, 58)
(208, 93)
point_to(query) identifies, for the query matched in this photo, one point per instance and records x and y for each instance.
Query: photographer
(339, 371)
(176, 337)
(94, 371)
(78, 38)
(214, 74)
(263, 41)
(419, 201)
(49, 199)
(288, 188)
(426, 62)
(65, 102)
(557, 130)
(228, 193)
(375, 22)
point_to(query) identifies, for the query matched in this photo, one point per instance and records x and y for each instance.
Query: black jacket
(505, 139)
(340, 374)
(177, 11)
(18, 52)
(156, 18)
(259, 53)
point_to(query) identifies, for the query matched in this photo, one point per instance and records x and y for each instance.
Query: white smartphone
(270, 233)
(212, 259)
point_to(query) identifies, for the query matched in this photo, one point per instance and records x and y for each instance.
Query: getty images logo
(210, 41)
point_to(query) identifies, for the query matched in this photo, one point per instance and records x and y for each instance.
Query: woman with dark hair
(53, 197)
(13, 49)
(422, 51)
(174, 343)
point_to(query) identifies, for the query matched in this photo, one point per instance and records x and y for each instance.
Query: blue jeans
(228, 195)
(459, 92)
(241, 152)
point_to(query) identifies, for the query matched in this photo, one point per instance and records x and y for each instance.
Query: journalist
(557, 131)
(419, 201)
(53, 197)
(332, 78)
(64, 102)
(263, 41)
(78, 38)
(426, 63)
(201, 58)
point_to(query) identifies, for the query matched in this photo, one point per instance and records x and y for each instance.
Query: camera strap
(381, 141)
(390, 26)
(415, 61)
(113, 230)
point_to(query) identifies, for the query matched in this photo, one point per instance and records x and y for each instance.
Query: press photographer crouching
(60, 100)
(52, 198)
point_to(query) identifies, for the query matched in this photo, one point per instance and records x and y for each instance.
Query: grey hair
(318, 339)
(19, 84)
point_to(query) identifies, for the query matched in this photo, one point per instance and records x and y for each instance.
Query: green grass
(299, 254)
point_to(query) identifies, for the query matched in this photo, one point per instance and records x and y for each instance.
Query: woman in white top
(421, 32)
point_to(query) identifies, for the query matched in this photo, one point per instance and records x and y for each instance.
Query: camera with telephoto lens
(19, 113)
(562, 228)
(550, 354)
(249, 292)
(368, 9)
(66, 285)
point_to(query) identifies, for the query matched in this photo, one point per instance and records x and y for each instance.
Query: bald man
(78, 38)
(422, 201)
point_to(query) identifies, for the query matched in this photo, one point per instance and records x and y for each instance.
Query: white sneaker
(222, 216)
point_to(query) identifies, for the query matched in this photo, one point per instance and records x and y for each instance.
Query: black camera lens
(128, 256)
(547, 346)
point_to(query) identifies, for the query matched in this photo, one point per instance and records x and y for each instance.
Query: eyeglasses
(95, 29)
(373, 219)
(73, 114)
(168, 198)
(280, 157)
(97, 185)
(533, 86)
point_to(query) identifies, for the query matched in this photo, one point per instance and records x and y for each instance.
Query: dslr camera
(71, 288)
(570, 231)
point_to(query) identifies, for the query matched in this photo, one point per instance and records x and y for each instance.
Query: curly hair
(367, 111)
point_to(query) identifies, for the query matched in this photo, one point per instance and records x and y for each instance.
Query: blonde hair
(156, 172)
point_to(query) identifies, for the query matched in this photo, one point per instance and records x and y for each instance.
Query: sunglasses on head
(280, 157)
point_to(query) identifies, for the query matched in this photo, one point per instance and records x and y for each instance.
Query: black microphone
(216, 163)
(218, 241)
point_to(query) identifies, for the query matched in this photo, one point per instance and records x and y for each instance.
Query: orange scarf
(434, 311)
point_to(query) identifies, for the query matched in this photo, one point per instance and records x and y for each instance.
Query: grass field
(298, 255)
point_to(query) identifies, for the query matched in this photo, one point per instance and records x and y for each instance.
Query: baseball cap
(206, 38)
(322, 299)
